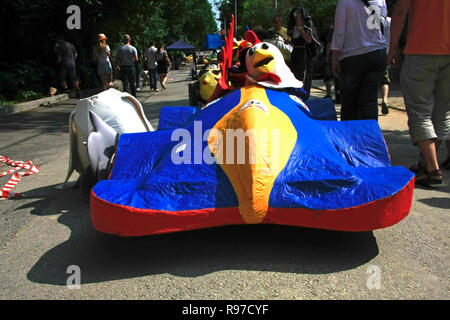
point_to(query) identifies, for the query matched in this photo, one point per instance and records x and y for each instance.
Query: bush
(22, 82)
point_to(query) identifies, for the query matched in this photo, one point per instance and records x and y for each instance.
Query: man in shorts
(66, 55)
(425, 77)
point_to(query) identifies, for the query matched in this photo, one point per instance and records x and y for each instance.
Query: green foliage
(22, 82)
(29, 30)
(261, 12)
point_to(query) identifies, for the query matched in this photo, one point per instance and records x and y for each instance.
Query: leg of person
(74, 80)
(151, 78)
(138, 76)
(296, 66)
(105, 82)
(154, 78)
(156, 81)
(309, 71)
(164, 80)
(110, 79)
(337, 90)
(132, 79)
(62, 78)
(160, 79)
(327, 78)
(124, 78)
(441, 111)
(328, 86)
(102, 75)
(384, 91)
(350, 84)
(368, 94)
(418, 78)
(107, 75)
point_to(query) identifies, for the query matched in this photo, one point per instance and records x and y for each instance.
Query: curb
(25, 106)
(15, 108)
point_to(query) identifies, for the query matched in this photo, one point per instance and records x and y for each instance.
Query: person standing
(151, 61)
(326, 38)
(137, 65)
(126, 57)
(66, 55)
(306, 46)
(279, 29)
(163, 66)
(102, 55)
(425, 77)
(359, 56)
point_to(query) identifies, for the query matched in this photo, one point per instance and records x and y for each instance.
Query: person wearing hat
(102, 55)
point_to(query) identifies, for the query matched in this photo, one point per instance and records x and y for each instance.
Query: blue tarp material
(333, 165)
(180, 45)
(322, 109)
(175, 117)
(214, 41)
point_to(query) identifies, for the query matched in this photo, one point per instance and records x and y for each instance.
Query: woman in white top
(359, 55)
(102, 55)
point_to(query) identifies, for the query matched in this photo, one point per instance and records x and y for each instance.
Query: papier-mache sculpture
(257, 154)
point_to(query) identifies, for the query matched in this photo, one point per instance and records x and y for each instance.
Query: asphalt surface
(48, 230)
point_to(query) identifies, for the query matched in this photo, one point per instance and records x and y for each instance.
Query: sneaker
(384, 108)
(446, 164)
(138, 89)
(429, 178)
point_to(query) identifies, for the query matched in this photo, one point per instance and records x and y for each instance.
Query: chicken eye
(251, 51)
(265, 46)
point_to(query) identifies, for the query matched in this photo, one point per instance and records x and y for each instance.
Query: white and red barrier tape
(5, 192)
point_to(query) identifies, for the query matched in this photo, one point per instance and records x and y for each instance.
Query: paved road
(48, 230)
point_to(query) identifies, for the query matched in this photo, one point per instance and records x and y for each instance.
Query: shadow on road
(189, 254)
(437, 202)
(58, 122)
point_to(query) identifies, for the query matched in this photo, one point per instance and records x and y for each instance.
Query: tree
(261, 12)
(29, 30)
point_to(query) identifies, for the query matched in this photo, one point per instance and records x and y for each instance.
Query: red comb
(250, 36)
(227, 56)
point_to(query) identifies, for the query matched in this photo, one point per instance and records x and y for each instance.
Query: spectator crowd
(357, 48)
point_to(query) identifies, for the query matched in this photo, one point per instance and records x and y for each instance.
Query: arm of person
(75, 54)
(305, 33)
(328, 52)
(397, 25)
(335, 64)
(111, 57)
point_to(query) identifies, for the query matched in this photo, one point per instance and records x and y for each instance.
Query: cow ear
(100, 146)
